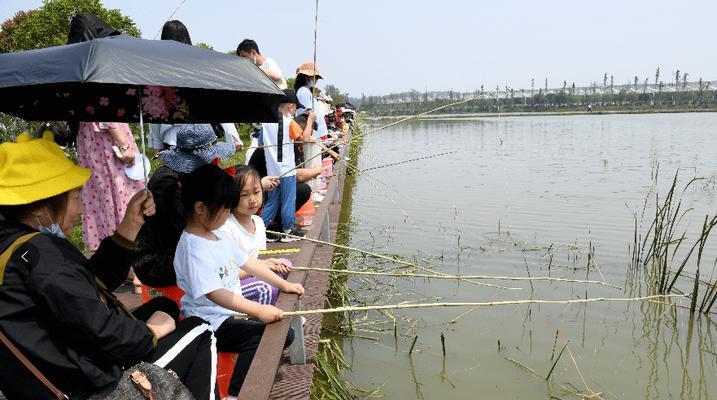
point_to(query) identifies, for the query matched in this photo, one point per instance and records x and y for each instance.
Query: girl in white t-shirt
(209, 267)
(248, 232)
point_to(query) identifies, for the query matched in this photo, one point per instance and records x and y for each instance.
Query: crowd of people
(197, 226)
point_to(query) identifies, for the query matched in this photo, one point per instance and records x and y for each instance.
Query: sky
(381, 46)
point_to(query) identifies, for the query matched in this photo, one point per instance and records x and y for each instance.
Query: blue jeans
(283, 196)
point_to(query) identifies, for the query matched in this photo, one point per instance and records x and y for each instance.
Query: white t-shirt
(270, 136)
(230, 133)
(203, 266)
(271, 65)
(249, 243)
(159, 134)
(307, 100)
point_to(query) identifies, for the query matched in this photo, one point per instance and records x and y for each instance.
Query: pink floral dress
(107, 192)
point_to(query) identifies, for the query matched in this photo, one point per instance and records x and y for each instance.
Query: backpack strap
(4, 258)
(7, 253)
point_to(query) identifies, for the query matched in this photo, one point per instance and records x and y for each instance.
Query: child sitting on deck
(209, 267)
(248, 232)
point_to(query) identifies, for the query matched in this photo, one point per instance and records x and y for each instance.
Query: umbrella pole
(145, 173)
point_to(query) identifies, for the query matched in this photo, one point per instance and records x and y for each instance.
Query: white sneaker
(317, 198)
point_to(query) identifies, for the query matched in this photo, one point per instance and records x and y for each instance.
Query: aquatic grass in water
(654, 251)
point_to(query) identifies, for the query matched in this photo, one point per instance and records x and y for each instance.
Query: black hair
(301, 81)
(210, 185)
(244, 174)
(175, 30)
(248, 45)
(302, 119)
(57, 205)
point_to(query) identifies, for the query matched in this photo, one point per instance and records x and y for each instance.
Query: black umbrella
(104, 79)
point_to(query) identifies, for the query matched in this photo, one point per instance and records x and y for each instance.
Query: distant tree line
(678, 94)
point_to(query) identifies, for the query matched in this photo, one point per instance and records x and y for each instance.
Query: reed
(552, 368)
(706, 304)
(655, 250)
(328, 383)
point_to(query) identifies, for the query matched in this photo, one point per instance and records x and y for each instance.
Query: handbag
(141, 381)
(146, 381)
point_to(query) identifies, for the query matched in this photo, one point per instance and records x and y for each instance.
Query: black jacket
(52, 307)
(158, 238)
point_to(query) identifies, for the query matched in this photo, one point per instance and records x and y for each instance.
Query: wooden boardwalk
(271, 374)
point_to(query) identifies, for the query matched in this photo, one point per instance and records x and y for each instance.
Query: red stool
(225, 369)
(305, 215)
(170, 292)
(225, 361)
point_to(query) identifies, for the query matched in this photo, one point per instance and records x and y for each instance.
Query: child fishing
(248, 232)
(209, 268)
(278, 139)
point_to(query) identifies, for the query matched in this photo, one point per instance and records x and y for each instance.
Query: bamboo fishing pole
(385, 257)
(436, 276)
(469, 304)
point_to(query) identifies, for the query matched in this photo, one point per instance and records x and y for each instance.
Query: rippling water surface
(529, 193)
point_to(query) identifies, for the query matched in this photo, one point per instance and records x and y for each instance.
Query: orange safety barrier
(225, 361)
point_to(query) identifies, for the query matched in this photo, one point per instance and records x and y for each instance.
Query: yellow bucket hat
(36, 169)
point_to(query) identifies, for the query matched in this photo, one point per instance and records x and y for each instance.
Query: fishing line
(181, 3)
(408, 161)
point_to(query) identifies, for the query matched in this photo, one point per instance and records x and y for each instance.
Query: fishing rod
(287, 314)
(453, 277)
(316, 35)
(385, 257)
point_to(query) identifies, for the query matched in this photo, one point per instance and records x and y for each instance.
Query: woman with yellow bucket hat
(56, 306)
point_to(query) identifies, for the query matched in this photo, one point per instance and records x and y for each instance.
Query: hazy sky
(376, 47)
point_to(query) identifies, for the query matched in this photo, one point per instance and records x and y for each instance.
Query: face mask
(310, 84)
(53, 230)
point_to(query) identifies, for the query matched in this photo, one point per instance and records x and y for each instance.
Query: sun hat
(197, 144)
(36, 169)
(309, 69)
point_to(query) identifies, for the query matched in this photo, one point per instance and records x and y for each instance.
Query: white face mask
(310, 84)
(53, 230)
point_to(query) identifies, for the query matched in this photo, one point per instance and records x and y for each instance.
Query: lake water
(525, 194)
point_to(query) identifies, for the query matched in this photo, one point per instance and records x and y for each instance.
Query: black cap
(290, 97)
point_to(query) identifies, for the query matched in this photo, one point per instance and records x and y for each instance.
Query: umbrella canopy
(103, 80)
